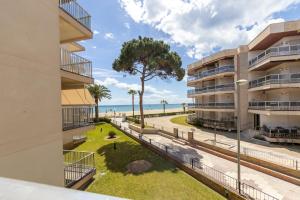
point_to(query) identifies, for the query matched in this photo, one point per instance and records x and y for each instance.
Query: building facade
(271, 100)
(38, 45)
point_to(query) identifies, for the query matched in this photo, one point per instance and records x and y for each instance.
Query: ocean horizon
(128, 107)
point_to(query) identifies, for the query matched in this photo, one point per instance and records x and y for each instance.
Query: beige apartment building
(271, 100)
(44, 103)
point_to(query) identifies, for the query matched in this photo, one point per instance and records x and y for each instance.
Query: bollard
(166, 147)
(150, 141)
(115, 145)
(192, 161)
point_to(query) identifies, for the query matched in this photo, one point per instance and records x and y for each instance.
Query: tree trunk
(141, 94)
(133, 105)
(97, 110)
(164, 105)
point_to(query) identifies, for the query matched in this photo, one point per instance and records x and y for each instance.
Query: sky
(193, 28)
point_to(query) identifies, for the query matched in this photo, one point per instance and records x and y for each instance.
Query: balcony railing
(280, 132)
(275, 79)
(74, 63)
(215, 88)
(213, 105)
(211, 72)
(286, 50)
(76, 11)
(77, 166)
(275, 105)
(76, 116)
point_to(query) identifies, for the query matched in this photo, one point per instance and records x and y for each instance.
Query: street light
(238, 119)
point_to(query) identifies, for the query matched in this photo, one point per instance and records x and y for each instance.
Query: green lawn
(162, 181)
(181, 120)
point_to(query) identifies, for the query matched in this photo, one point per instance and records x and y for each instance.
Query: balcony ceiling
(71, 30)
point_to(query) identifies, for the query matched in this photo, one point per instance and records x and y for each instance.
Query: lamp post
(238, 124)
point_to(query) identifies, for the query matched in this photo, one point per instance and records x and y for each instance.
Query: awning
(76, 97)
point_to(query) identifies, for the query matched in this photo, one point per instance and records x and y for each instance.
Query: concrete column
(190, 136)
(175, 131)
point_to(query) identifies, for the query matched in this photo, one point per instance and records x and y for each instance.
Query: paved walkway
(276, 187)
(227, 140)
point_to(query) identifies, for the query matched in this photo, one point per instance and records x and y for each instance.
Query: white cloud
(96, 32)
(94, 47)
(127, 25)
(104, 73)
(204, 25)
(109, 36)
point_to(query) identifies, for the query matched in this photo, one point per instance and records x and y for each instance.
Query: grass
(181, 120)
(162, 181)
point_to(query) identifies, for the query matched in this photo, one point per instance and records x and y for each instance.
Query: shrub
(111, 134)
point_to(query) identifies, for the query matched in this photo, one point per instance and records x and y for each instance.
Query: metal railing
(77, 166)
(211, 72)
(74, 63)
(271, 157)
(275, 79)
(214, 105)
(76, 116)
(194, 162)
(215, 88)
(76, 11)
(285, 50)
(275, 105)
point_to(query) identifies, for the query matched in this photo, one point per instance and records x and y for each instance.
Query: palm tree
(183, 106)
(164, 102)
(99, 92)
(132, 93)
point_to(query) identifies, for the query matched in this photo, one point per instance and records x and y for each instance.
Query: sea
(127, 108)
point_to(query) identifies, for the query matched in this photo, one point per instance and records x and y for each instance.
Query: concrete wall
(30, 123)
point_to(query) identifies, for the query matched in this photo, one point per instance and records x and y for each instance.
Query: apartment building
(42, 85)
(270, 102)
(214, 91)
(274, 80)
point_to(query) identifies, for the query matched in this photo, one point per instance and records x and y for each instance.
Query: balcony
(273, 56)
(78, 166)
(211, 90)
(76, 116)
(212, 73)
(75, 68)
(275, 81)
(275, 107)
(75, 22)
(213, 106)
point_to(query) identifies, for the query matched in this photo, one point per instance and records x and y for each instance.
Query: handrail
(275, 105)
(275, 79)
(212, 72)
(76, 11)
(74, 63)
(283, 50)
(215, 88)
(212, 105)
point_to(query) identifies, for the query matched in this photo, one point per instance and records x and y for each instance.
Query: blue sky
(193, 28)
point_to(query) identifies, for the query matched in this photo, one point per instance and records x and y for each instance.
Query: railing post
(166, 148)
(296, 164)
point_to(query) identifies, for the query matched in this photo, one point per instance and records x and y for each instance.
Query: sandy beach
(137, 112)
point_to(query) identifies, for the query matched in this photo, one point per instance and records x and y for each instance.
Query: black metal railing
(211, 72)
(285, 50)
(281, 132)
(74, 63)
(77, 165)
(275, 105)
(199, 167)
(76, 11)
(76, 116)
(215, 88)
(214, 105)
(275, 79)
